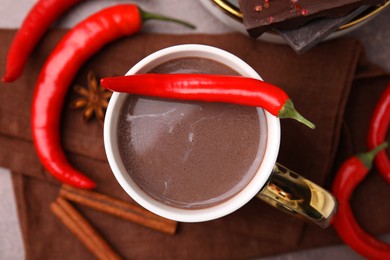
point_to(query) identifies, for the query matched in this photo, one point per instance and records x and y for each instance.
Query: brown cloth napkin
(332, 85)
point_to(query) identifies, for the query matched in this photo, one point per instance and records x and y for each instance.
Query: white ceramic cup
(258, 182)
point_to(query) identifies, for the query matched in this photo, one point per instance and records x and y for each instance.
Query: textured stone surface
(375, 36)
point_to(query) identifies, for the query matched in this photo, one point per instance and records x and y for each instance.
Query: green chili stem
(152, 16)
(288, 111)
(368, 157)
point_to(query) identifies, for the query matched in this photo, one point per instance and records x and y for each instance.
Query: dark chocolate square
(262, 15)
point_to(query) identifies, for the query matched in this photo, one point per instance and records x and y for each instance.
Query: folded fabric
(319, 82)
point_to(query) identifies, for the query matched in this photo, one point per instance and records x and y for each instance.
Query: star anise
(94, 99)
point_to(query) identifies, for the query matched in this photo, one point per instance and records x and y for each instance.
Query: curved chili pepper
(350, 174)
(378, 129)
(209, 88)
(37, 21)
(73, 50)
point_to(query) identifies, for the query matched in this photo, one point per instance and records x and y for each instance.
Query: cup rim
(179, 214)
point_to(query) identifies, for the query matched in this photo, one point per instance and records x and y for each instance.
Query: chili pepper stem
(368, 157)
(288, 111)
(152, 16)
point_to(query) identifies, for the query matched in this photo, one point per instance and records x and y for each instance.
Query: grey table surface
(375, 36)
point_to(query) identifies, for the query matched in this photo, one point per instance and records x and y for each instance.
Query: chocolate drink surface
(190, 154)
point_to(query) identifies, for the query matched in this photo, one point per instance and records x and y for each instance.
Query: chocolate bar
(263, 15)
(305, 37)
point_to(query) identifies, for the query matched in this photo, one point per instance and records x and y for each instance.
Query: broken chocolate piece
(263, 15)
(304, 38)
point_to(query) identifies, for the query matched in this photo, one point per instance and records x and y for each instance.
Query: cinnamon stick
(128, 211)
(81, 228)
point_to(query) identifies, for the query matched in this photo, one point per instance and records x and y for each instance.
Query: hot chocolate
(190, 154)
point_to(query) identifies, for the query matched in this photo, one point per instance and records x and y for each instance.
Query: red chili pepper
(378, 129)
(73, 50)
(350, 174)
(209, 88)
(37, 21)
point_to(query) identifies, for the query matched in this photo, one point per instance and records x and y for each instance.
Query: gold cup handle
(298, 196)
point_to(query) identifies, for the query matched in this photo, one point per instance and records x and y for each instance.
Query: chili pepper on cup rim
(349, 175)
(378, 128)
(210, 88)
(77, 46)
(34, 25)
